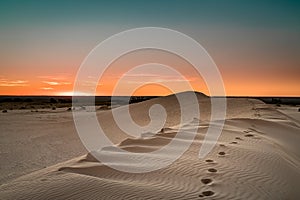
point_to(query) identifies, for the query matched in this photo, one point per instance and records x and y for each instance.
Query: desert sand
(257, 156)
(35, 140)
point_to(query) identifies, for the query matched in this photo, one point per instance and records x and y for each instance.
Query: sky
(255, 44)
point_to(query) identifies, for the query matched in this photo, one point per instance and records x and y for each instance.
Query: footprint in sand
(206, 181)
(209, 161)
(233, 142)
(222, 145)
(238, 138)
(222, 153)
(206, 193)
(213, 170)
(249, 135)
(165, 129)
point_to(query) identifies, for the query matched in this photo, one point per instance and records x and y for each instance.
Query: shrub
(52, 100)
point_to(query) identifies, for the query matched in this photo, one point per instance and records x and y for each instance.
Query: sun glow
(71, 93)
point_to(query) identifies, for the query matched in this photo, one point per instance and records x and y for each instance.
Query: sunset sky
(255, 44)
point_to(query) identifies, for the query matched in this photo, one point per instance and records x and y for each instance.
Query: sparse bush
(28, 100)
(52, 100)
(65, 100)
(53, 108)
(103, 107)
(5, 100)
(17, 100)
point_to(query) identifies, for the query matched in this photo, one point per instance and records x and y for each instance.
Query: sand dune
(34, 140)
(256, 157)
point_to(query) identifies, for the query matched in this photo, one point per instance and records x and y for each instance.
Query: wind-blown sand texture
(257, 157)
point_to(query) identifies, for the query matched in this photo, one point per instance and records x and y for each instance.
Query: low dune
(257, 156)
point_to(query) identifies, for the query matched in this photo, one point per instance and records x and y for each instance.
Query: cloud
(53, 83)
(47, 88)
(13, 83)
(90, 83)
(55, 78)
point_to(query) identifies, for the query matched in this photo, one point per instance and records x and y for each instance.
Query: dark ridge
(199, 94)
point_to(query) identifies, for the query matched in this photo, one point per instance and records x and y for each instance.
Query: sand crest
(256, 157)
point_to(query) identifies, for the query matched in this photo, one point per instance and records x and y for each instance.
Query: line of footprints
(208, 181)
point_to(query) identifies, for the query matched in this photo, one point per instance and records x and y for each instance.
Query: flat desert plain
(257, 155)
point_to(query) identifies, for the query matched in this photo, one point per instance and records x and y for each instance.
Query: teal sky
(252, 42)
(254, 13)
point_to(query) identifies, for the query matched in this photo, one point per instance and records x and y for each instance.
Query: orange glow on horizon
(232, 89)
(262, 84)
